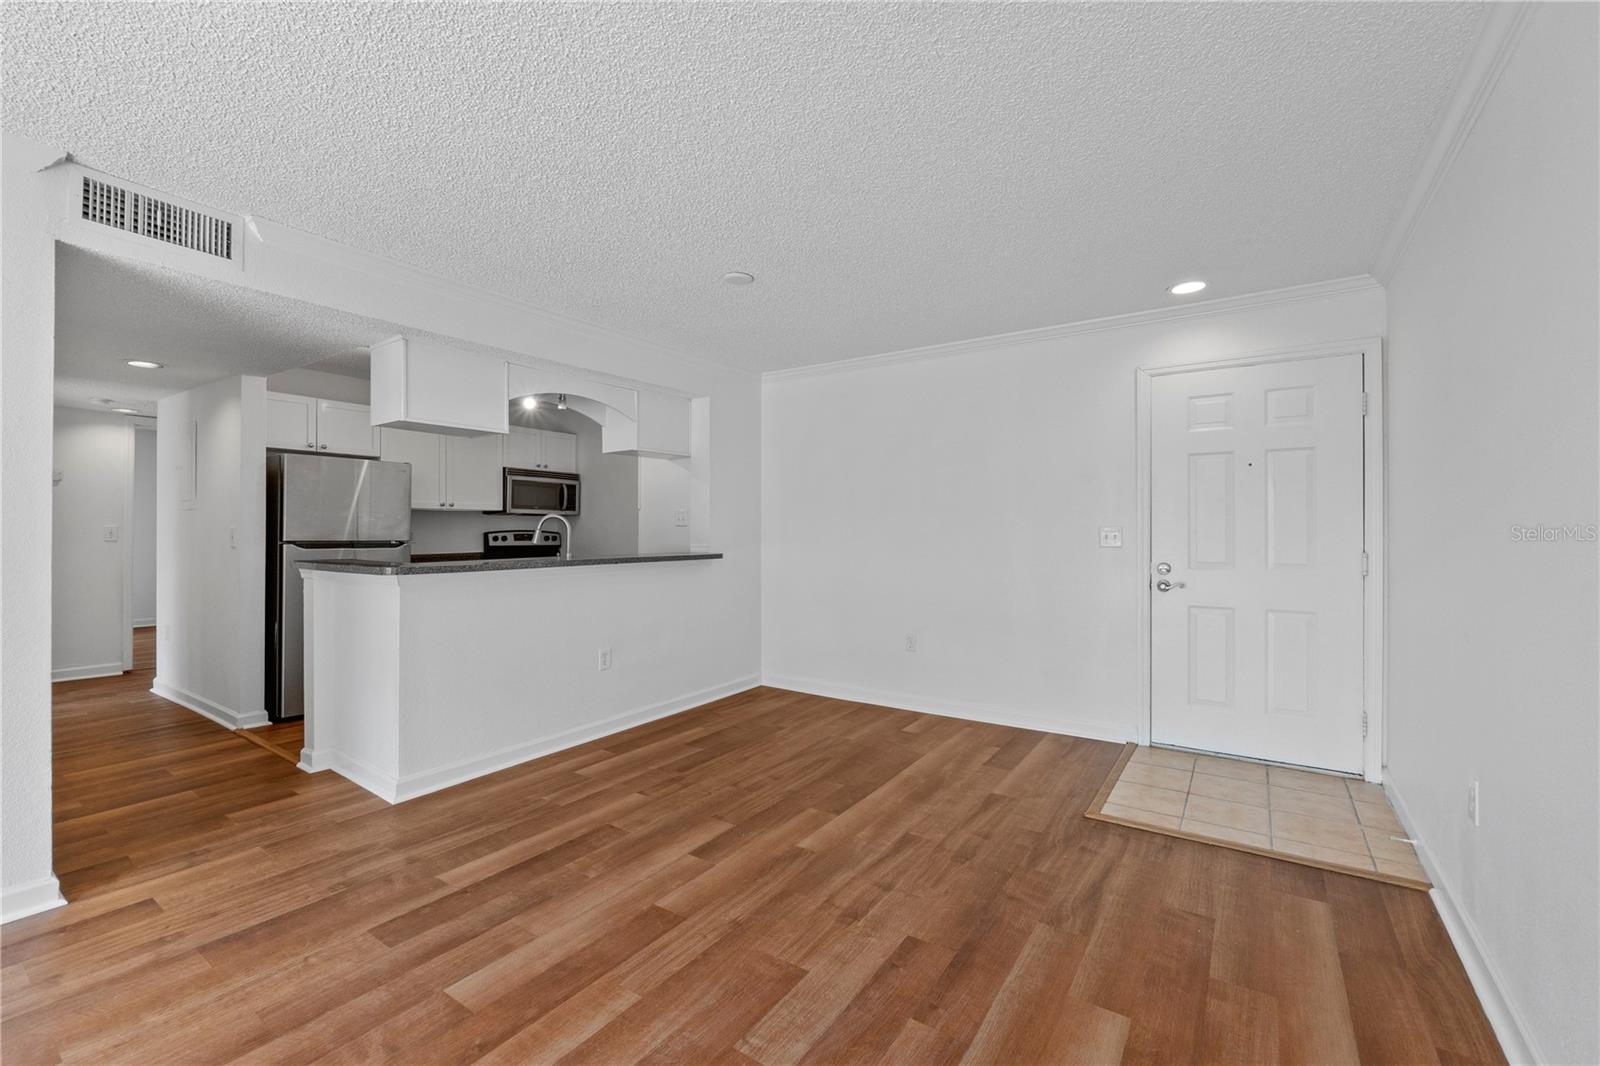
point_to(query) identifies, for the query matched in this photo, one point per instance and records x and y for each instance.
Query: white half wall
(211, 561)
(28, 199)
(91, 577)
(420, 682)
(957, 499)
(142, 528)
(1495, 630)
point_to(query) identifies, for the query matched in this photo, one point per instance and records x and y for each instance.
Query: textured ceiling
(894, 175)
(109, 310)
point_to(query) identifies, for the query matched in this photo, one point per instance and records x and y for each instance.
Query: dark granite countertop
(472, 566)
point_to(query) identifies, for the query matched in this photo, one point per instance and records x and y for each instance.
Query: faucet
(566, 537)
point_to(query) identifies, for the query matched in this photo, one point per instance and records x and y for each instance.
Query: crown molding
(1226, 305)
(1497, 40)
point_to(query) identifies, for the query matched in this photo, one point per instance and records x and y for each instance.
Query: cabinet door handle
(324, 447)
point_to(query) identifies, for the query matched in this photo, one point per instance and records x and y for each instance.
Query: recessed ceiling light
(123, 411)
(530, 402)
(738, 277)
(144, 364)
(1186, 288)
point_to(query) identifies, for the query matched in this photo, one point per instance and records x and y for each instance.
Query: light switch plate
(111, 534)
(1110, 536)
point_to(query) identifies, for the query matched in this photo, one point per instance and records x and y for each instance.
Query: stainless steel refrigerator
(322, 508)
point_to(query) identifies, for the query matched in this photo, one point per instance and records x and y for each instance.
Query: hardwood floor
(773, 878)
(283, 739)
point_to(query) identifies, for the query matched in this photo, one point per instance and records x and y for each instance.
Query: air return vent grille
(124, 209)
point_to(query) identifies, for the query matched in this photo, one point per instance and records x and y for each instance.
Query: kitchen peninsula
(419, 676)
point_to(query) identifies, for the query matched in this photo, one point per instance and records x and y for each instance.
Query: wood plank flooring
(773, 878)
(283, 739)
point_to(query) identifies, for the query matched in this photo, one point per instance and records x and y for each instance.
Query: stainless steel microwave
(539, 492)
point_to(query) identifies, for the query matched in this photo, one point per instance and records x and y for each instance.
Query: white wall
(27, 371)
(211, 561)
(1493, 640)
(664, 495)
(91, 615)
(142, 527)
(959, 499)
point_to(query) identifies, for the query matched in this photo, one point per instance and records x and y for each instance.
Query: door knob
(1167, 586)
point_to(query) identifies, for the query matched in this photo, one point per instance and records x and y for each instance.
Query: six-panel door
(1257, 523)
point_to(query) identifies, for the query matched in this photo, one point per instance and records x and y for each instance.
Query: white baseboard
(315, 761)
(83, 673)
(223, 716)
(35, 897)
(411, 786)
(143, 623)
(971, 712)
(1509, 1026)
(383, 785)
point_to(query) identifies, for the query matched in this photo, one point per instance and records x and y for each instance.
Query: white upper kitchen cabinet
(541, 449)
(418, 384)
(448, 473)
(311, 425)
(291, 422)
(474, 472)
(560, 452)
(425, 453)
(346, 428)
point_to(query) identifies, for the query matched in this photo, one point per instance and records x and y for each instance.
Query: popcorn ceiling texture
(894, 175)
(201, 329)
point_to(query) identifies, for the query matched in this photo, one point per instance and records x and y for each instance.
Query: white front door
(1256, 507)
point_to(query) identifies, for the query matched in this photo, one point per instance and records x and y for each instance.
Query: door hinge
(1365, 563)
(1363, 725)
(1363, 405)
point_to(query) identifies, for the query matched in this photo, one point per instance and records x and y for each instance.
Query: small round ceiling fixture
(144, 364)
(738, 277)
(530, 402)
(1187, 288)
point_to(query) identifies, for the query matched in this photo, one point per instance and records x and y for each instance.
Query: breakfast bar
(422, 675)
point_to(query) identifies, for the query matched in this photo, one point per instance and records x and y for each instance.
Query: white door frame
(1374, 589)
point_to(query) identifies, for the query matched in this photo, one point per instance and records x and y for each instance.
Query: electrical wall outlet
(680, 517)
(604, 659)
(911, 642)
(1110, 536)
(1472, 803)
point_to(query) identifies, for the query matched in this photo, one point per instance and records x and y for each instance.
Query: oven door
(540, 493)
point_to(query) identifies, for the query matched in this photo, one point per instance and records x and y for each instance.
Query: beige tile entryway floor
(1316, 819)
